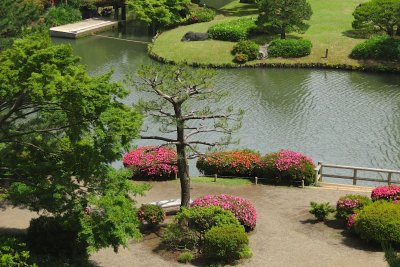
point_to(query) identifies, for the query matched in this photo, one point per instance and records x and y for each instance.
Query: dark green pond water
(339, 117)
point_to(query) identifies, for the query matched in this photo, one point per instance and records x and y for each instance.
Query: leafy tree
(14, 15)
(183, 106)
(159, 13)
(383, 15)
(59, 130)
(284, 16)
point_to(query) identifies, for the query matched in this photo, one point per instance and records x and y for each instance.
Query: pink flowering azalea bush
(351, 219)
(151, 214)
(387, 192)
(350, 204)
(241, 208)
(229, 163)
(151, 162)
(286, 166)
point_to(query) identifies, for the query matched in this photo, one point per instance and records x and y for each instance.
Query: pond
(339, 117)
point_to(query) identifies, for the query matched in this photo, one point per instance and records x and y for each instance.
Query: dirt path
(286, 234)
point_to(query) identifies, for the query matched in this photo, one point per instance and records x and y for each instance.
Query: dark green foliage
(61, 15)
(200, 14)
(391, 256)
(54, 236)
(241, 58)
(289, 48)
(232, 30)
(14, 253)
(152, 214)
(350, 204)
(185, 257)
(160, 13)
(321, 210)
(248, 48)
(378, 15)
(284, 16)
(380, 47)
(379, 221)
(226, 243)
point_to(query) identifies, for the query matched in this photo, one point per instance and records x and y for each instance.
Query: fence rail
(320, 173)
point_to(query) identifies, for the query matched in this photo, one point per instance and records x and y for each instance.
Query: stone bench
(170, 203)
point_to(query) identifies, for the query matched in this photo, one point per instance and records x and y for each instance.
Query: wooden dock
(83, 28)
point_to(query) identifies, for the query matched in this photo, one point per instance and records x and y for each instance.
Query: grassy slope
(329, 24)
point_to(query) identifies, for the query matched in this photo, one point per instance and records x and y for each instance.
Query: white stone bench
(170, 203)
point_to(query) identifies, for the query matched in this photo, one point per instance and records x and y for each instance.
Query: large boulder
(194, 36)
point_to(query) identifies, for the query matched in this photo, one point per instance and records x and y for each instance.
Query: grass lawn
(220, 181)
(330, 28)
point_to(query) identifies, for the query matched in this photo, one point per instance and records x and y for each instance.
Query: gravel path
(286, 234)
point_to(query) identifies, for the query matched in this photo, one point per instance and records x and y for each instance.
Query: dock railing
(320, 173)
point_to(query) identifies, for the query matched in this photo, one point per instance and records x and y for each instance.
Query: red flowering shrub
(286, 166)
(152, 214)
(243, 210)
(229, 163)
(349, 204)
(151, 162)
(351, 219)
(387, 192)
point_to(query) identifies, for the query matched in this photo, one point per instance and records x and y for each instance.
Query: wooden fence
(320, 173)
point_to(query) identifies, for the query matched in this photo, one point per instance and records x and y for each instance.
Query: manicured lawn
(220, 181)
(330, 29)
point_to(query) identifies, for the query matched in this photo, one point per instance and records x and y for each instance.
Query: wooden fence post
(256, 178)
(354, 176)
(215, 178)
(389, 178)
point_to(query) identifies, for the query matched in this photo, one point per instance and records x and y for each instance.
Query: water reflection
(340, 117)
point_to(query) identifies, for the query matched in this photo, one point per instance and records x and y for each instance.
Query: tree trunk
(183, 168)
(283, 33)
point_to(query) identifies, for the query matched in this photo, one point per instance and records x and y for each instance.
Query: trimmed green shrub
(48, 235)
(380, 47)
(185, 257)
(286, 167)
(289, 48)
(229, 163)
(226, 243)
(321, 210)
(61, 15)
(241, 58)
(247, 47)
(233, 30)
(350, 204)
(152, 214)
(177, 237)
(14, 253)
(379, 221)
(202, 219)
(200, 14)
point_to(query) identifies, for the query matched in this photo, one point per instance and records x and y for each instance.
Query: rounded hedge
(350, 204)
(286, 167)
(232, 30)
(241, 58)
(241, 208)
(225, 242)
(380, 47)
(386, 192)
(151, 214)
(229, 163)
(199, 14)
(152, 162)
(289, 48)
(379, 222)
(247, 47)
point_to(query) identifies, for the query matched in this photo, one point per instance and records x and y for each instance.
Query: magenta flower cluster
(351, 220)
(241, 208)
(388, 192)
(287, 159)
(151, 161)
(347, 203)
